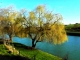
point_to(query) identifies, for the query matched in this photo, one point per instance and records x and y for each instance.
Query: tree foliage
(39, 25)
(45, 25)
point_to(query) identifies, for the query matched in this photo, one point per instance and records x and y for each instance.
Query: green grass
(39, 55)
(26, 52)
(5, 55)
(3, 50)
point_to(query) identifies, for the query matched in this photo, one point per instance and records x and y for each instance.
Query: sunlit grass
(37, 54)
(28, 52)
(3, 50)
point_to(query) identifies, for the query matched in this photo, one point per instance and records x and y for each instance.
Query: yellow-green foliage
(39, 25)
(59, 33)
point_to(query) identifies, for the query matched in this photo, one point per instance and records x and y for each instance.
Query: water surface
(71, 47)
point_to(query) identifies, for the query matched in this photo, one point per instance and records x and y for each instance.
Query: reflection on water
(71, 47)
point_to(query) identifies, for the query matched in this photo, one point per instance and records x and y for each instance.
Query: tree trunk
(33, 43)
(10, 36)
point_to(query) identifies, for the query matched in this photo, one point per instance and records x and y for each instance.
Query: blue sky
(69, 9)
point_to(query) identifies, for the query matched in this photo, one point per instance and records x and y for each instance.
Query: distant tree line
(73, 27)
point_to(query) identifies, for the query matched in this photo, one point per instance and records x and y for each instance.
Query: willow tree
(7, 23)
(19, 24)
(44, 25)
(1, 26)
(11, 22)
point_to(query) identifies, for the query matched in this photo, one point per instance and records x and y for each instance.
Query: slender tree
(7, 23)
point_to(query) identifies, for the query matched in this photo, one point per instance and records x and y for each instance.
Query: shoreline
(34, 53)
(73, 33)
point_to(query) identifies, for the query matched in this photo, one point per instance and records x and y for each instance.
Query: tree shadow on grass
(18, 45)
(13, 57)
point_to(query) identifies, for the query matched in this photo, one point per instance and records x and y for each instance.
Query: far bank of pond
(73, 33)
(70, 48)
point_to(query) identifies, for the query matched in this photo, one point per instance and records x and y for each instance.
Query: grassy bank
(26, 53)
(5, 55)
(34, 53)
(3, 50)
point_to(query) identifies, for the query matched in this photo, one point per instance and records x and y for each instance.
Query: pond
(71, 47)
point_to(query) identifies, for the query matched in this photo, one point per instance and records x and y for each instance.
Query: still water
(71, 47)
